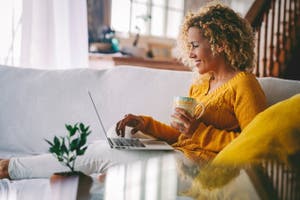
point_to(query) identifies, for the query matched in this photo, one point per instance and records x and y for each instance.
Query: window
(10, 38)
(160, 18)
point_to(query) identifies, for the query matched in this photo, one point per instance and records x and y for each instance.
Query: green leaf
(83, 139)
(81, 151)
(68, 127)
(63, 146)
(55, 149)
(75, 128)
(74, 144)
(56, 141)
(87, 128)
(72, 129)
(52, 150)
(81, 126)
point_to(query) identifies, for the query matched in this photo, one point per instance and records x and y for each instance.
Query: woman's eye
(194, 44)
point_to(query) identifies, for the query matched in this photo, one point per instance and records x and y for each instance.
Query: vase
(70, 185)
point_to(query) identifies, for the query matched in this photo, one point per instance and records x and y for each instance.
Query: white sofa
(36, 104)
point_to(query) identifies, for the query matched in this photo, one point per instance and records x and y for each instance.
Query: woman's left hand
(188, 123)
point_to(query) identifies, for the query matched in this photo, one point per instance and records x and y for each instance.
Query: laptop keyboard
(125, 142)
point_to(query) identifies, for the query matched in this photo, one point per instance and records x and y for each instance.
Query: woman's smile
(198, 62)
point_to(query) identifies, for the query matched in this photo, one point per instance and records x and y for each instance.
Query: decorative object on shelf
(137, 36)
(106, 43)
(161, 51)
(146, 19)
(71, 184)
(135, 50)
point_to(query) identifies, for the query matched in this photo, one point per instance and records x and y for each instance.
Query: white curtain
(47, 34)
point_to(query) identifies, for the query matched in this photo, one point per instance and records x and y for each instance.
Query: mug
(189, 104)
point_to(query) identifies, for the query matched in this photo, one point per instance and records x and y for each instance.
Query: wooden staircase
(277, 28)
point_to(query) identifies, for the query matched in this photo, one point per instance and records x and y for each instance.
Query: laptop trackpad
(156, 144)
(153, 142)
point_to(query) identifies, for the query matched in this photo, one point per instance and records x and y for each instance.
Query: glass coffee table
(170, 177)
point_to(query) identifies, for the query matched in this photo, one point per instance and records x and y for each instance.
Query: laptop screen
(99, 118)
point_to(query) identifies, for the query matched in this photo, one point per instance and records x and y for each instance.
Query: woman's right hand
(188, 123)
(134, 121)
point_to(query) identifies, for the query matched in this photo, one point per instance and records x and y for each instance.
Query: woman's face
(200, 52)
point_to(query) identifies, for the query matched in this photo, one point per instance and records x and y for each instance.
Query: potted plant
(66, 150)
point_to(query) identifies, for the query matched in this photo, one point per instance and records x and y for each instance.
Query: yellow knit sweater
(229, 109)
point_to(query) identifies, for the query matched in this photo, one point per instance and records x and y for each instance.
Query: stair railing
(277, 28)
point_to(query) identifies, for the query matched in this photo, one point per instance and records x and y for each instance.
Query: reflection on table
(169, 177)
(151, 179)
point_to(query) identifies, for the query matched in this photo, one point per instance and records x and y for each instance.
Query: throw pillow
(272, 134)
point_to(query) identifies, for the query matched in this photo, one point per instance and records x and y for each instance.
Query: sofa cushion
(278, 89)
(273, 134)
(36, 104)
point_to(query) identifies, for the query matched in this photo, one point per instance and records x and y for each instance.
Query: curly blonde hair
(223, 27)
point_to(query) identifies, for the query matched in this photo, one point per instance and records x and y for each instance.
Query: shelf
(99, 61)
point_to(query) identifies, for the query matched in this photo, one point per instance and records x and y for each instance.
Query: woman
(219, 45)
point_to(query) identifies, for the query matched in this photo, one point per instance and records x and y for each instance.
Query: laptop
(131, 143)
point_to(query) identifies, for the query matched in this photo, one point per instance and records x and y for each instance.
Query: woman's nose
(192, 54)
